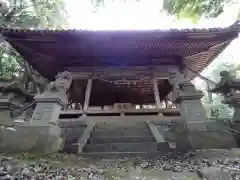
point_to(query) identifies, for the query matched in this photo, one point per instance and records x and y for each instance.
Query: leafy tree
(36, 14)
(191, 9)
(32, 14)
(195, 9)
(213, 102)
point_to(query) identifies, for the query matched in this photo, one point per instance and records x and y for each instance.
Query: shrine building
(112, 67)
(126, 76)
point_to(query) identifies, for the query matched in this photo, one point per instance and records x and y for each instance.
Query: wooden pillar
(156, 93)
(87, 95)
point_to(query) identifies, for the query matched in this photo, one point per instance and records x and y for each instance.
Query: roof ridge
(235, 25)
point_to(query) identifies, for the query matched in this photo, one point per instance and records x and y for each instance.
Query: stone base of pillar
(31, 138)
(236, 126)
(209, 135)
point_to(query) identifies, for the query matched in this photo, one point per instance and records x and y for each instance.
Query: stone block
(167, 175)
(31, 138)
(5, 118)
(122, 133)
(122, 139)
(209, 135)
(212, 173)
(46, 112)
(192, 110)
(122, 147)
(236, 116)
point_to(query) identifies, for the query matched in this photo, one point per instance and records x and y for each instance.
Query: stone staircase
(137, 138)
(122, 138)
(71, 136)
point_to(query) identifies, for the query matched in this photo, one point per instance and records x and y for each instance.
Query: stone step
(100, 140)
(113, 128)
(121, 133)
(122, 147)
(109, 155)
(121, 125)
(71, 148)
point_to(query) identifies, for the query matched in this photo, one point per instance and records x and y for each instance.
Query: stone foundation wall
(213, 137)
(30, 138)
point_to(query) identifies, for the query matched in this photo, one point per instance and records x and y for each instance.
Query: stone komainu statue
(62, 83)
(226, 84)
(180, 82)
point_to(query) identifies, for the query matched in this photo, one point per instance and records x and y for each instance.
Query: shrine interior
(106, 94)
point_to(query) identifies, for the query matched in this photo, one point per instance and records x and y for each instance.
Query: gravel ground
(71, 167)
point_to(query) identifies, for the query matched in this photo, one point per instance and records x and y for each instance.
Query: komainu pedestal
(201, 132)
(41, 134)
(228, 87)
(189, 100)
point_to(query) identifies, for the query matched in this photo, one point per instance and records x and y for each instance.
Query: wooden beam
(156, 93)
(121, 61)
(109, 111)
(161, 72)
(87, 95)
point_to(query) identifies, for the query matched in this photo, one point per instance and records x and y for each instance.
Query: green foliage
(216, 109)
(190, 9)
(213, 103)
(28, 14)
(35, 14)
(195, 9)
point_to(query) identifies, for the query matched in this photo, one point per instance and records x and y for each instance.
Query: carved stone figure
(228, 87)
(180, 82)
(222, 86)
(61, 85)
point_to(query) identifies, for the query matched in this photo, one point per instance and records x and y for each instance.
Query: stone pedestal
(236, 116)
(44, 125)
(47, 110)
(234, 101)
(201, 133)
(191, 109)
(42, 137)
(188, 98)
(41, 134)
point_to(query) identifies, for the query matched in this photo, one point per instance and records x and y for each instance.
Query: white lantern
(4, 6)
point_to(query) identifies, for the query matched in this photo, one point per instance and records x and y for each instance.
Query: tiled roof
(49, 51)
